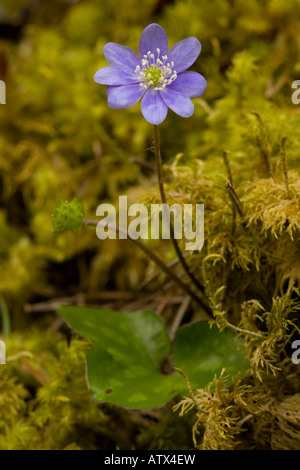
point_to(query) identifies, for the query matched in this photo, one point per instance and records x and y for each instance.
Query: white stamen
(155, 73)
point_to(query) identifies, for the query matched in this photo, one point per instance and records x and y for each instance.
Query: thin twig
(284, 165)
(19, 355)
(189, 387)
(226, 163)
(142, 163)
(224, 282)
(179, 316)
(265, 146)
(229, 173)
(244, 420)
(82, 299)
(154, 276)
(241, 330)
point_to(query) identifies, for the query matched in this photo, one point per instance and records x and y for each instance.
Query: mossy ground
(59, 140)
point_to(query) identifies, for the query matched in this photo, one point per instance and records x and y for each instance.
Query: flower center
(156, 74)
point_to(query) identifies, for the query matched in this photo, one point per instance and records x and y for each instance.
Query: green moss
(59, 139)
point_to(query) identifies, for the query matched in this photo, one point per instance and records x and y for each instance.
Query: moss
(59, 139)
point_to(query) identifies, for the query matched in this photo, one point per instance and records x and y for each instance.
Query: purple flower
(158, 77)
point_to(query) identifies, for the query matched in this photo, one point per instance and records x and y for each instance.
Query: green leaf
(202, 352)
(124, 366)
(142, 335)
(68, 216)
(129, 383)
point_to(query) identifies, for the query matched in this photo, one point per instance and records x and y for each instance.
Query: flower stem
(185, 287)
(164, 201)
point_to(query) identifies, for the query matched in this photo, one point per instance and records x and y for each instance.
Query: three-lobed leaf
(124, 367)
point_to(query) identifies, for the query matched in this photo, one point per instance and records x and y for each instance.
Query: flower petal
(121, 56)
(189, 83)
(178, 102)
(153, 37)
(153, 107)
(115, 76)
(124, 96)
(109, 89)
(184, 53)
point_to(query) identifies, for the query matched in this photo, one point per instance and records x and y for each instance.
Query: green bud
(68, 216)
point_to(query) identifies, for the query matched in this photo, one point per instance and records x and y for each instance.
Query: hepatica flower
(158, 76)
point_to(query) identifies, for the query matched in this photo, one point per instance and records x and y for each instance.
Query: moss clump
(238, 155)
(68, 215)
